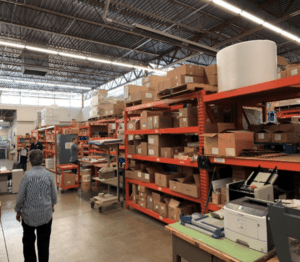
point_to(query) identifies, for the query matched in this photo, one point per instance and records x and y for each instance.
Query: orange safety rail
(284, 113)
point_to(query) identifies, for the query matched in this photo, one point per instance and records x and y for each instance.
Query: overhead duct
(34, 63)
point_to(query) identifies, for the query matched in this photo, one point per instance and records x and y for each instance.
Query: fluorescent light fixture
(99, 60)
(72, 55)
(122, 64)
(228, 6)
(37, 91)
(9, 44)
(288, 35)
(45, 84)
(272, 27)
(1, 120)
(252, 18)
(43, 50)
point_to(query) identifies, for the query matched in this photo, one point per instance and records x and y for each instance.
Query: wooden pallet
(187, 88)
(136, 103)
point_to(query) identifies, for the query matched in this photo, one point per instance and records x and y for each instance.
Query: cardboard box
(192, 188)
(142, 95)
(142, 149)
(166, 83)
(190, 70)
(188, 112)
(131, 89)
(212, 80)
(289, 127)
(150, 202)
(69, 179)
(183, 80)
(138, 175)
(160, 140)
(223, 195)
(282, 74)
(169, 152)
(257, 128)
(271, 127)
(241, 173)
(146, 193)
(233, 143)
(130, 174)
(211, 70)
(144, 118)
(135, 198)
(149, 176)
(161, 122)
(132, 149)
(281, 61)
(282, 137)
(264, 136)
(152, 81)
(216, 198)
(211, 144)
(163, 207)
(176, 184)
(142, 202)
(133, 125)
(175, 208)
(162, 179)
(293, 71)
(186, 122)
(157, 198)
(74, 131)
(191, 149)
(153, 151)
(134, 189)
(116, 108)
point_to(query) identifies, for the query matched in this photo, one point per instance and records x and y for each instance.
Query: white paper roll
(246, 63)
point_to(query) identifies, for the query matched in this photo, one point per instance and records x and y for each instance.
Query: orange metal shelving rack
(170, 104)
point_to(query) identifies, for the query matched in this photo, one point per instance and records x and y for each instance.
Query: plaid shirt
(36, 196)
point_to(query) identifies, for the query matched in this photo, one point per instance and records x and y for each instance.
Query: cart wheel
(100, 209)
(92, 205)
(122, 204)
(62, 191)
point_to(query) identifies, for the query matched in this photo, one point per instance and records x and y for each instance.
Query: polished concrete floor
(80, 233)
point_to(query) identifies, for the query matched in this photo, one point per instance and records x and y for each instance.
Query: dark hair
(74, 138)
(36, 157)
(34, 138)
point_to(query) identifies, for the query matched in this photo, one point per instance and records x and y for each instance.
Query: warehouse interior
(169, 130)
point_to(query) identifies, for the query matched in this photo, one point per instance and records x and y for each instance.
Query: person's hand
(53, 209)
(18, 217)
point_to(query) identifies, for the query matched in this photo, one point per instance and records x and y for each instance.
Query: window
(7, 99)
(46, 101)
(76, 103)
(34, 101)
(87, 102)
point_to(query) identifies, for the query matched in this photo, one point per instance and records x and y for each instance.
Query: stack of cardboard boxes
(282, 133)
(227, 141)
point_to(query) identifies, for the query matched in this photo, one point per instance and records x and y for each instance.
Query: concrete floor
(80, 233)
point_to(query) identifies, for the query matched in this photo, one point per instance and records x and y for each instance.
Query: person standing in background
(74, 152)
(35, 205)
(36, 144)
(23, 154)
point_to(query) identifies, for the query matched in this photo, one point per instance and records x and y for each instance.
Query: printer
(246, 222)
(259, 185)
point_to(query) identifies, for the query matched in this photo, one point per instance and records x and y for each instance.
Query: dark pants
(75, 163)
(43, 242)
(23, 162)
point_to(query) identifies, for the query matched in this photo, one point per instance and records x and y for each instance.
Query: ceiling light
(122, 64)
(72, 55)
(227, 6)
(252, 17)
(99, 60)
(45, 84)
(43, 50)
(291, 36)
(9, 44)
(272, 27)
(37, 91)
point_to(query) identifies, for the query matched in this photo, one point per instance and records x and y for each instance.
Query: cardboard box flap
(154, 169)
(209, 134)
(186, 179)
(197, 179)
(279, 132)
(225, 126)
(167, 200)
(173, 203)
(239, 131)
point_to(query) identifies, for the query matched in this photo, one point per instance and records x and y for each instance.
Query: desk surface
(222, 248)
